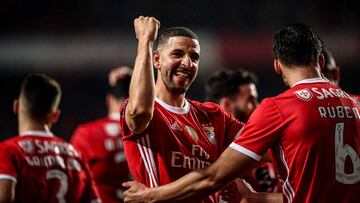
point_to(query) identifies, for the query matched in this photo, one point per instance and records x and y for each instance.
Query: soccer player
(36, 166)
(235, 91)
(165, 135)
(332, 72)
(313, 130)
(101, 144)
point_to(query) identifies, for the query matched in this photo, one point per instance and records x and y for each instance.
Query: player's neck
(30, 125)
(169, 98)
(294, 75)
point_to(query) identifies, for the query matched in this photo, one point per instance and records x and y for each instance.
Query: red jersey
(313, 130)
(101, 144)
(356, 98)
(46, 169)
(178, 141)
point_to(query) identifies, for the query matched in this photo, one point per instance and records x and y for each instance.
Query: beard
(178, 89)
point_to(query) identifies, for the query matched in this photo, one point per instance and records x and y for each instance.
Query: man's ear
(321, 61)
(16, 106)
(277, 66)
(55, 116)
(225, 103)
(156, 59)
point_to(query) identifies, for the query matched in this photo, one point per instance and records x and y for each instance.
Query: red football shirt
(178, 141)
(101, 144)
(313, 130)
(46, 169)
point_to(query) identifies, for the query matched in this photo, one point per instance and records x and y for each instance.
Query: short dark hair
(327, 57)
(297, 45)
(164, 36)
(121, 89)
(41, 94)
(226, 82)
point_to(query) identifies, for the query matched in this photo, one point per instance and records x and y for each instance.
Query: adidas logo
(175, 126)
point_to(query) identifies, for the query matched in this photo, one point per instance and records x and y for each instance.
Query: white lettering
(320, 95)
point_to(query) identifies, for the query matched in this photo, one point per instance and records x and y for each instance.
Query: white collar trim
(41, 133)
(177, 110)
(310, 80)
(115, 116)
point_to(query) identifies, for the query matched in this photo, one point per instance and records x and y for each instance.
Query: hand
(146, 28)
(136, 192)
(245, 188)
(118, 73)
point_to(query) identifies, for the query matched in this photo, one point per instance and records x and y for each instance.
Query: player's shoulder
(10, 142)
(93, 124)
(206, 106)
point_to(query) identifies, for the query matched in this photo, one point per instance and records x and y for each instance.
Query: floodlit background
(78, 42)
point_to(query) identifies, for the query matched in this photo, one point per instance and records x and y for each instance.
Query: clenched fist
(146, 28)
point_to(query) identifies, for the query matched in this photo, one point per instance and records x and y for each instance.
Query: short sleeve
(7, 163)
(127, 133)
(263, 129)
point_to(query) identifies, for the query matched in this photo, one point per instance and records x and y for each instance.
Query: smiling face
(177, 62)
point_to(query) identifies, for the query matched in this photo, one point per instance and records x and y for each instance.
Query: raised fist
(146, 28)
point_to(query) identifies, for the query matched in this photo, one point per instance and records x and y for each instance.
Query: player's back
(101, 144)
(320, 144)
(46, 169)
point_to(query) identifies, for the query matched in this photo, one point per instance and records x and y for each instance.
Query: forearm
(263, 197)
(195, 184)
(142, 86)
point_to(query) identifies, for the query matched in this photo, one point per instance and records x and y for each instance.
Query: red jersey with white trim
(356, 98)
(101, 144)
(313, 130)
(178, 141)
(46, 169)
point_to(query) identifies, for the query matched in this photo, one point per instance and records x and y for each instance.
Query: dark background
(78, 42)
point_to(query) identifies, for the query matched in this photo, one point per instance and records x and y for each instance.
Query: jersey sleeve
(127, 132)
(81, 143)
(264, 128)
(7, 163)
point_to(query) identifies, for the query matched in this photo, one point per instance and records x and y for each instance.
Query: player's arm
(140, 108)
(195, 184)
(7, 190)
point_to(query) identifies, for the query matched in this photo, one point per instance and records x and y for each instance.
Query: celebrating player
(313, 130)
(36, 166)
(165, 135)
(101, 144)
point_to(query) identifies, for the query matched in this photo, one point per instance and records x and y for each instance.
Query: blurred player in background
(332, 71)
(36, 166)
(166, 135)
(235, 91)
(313, 130)
(101, 143)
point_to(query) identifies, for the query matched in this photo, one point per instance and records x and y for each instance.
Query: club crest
(209, 130)
(26, 145)
(303, 94)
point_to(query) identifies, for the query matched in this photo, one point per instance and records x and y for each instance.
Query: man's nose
(187, 62)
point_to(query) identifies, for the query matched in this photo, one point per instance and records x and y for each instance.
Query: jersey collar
(310, 80)
(41, 133)
(115, 116)
(177, 110)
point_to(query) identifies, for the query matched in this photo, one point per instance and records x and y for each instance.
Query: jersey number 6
(341, 152)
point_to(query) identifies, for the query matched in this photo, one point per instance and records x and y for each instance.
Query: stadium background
(78, 42)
